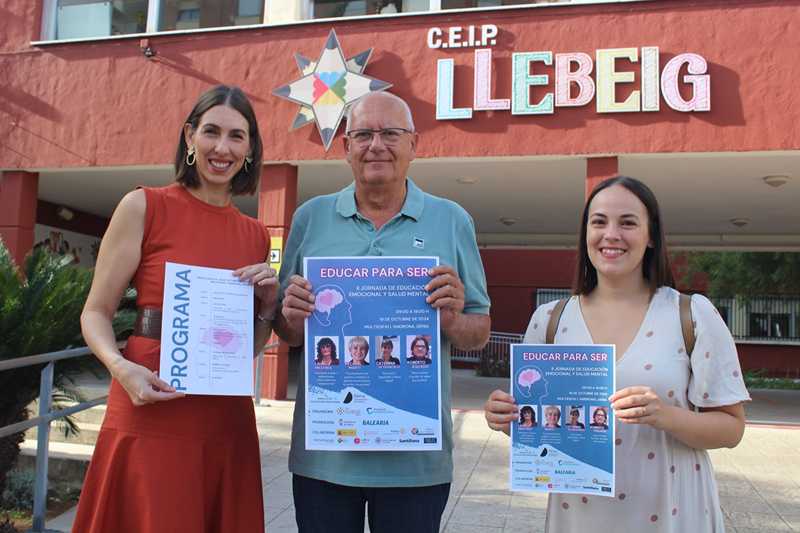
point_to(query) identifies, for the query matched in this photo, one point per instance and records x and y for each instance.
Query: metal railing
(497, 345)
(42, 422)
(762, 319)
(46, 416)
(771, 319)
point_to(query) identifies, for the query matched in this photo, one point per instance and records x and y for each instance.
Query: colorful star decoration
(328, 87)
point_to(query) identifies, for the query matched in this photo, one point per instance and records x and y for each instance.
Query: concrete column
(277, 200)
(598, 170)
(18, 192)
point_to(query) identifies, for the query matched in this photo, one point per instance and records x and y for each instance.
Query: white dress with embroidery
(662, 485)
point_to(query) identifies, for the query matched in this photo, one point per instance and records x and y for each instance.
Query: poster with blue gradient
(563, 440)
(372, 358)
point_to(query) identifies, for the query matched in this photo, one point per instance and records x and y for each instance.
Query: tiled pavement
(759, 481)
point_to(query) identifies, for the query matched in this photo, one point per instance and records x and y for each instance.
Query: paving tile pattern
(759, 481)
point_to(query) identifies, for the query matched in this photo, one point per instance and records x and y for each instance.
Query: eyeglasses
(389, 136)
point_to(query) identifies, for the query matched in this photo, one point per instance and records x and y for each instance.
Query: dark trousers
(322, 507)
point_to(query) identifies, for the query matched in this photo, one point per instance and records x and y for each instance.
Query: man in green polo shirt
(382, 213)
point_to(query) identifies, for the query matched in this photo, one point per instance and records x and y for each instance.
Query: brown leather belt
(148, 323)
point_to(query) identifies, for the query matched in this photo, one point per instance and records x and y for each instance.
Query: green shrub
(756, 379)
(40, 307)
(18, 493)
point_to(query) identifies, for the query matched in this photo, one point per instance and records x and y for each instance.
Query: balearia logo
(375, 422)
(409, 441)
(328, 86)
(565, 472)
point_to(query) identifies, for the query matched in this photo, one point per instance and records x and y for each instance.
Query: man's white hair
(392, 97)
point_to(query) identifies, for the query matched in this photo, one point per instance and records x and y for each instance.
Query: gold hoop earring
(247, 161)
(190, 156)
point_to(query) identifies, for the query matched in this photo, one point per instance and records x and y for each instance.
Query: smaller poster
(207, 331)
(563, 440)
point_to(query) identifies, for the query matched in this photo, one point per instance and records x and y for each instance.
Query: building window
(194, 14)
(354, 8)
(77, 19)
(85, 19)
(464, 4)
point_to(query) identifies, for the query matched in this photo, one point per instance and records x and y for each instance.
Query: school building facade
(522, 108)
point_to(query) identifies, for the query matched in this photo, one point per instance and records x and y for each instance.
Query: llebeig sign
(573, 68)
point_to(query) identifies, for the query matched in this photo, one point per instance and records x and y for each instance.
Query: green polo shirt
(330, 225)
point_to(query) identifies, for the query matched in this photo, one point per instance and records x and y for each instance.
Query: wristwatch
(265, 319)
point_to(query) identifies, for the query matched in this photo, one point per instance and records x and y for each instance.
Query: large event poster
(207, 331)
(563, 440)
(372, 361)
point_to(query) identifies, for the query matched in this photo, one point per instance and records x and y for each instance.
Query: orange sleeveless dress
(190, 465)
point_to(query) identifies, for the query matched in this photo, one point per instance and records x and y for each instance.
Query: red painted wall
(777, 360)
(18, 192)
(104, 103)
(513, 277)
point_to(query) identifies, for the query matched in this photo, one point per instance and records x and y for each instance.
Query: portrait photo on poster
(419, 349)
(528, 418)
(388, 350)
(357, 351)
(327, 351)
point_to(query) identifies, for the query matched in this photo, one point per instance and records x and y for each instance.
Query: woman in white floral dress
(623, 295)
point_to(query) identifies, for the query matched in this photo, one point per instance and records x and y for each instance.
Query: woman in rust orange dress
(166, 462)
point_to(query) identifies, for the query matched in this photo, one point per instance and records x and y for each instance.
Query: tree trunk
(20, 387)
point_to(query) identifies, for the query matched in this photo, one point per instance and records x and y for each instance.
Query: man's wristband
(265, 319)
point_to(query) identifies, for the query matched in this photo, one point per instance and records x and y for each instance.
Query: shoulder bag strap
(555, 318)
(687, 325)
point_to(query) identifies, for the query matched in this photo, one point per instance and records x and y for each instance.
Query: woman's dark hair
(323, 342)
(655, 264)
(244, 182)
(423, 339)
(600, 410)
(527, 409)
(387, 343)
